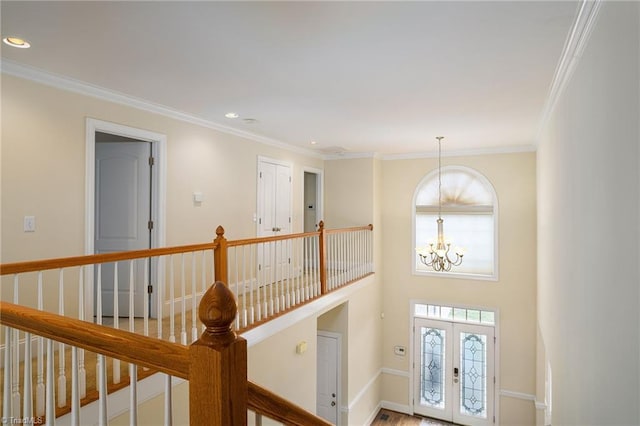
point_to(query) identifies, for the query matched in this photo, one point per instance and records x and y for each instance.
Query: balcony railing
(267, 276)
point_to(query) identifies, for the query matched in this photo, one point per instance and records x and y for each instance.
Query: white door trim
(159, 177)
(319, 190)
(338, 337)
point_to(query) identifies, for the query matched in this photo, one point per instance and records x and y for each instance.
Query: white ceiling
(383, 77)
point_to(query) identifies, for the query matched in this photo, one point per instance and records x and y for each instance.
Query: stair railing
(215, 365)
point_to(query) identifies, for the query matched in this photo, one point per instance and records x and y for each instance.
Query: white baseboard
(373, 414)
(394, 406)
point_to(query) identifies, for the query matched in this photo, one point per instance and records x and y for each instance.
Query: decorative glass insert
(448, 313)
(473, 362)
(432, 375)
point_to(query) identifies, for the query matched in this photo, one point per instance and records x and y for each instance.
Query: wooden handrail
(92, 259)
(277, 408)
(352, 229)
(170, 358)
(215, 364)
(248, 241)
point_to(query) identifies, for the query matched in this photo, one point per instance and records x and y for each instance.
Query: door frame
(319, 192)
(496, 353)
(158, 193)
(338, 337)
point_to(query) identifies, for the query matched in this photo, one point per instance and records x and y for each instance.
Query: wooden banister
(170, 358)
(352, 229)
(92, 259)
(215, 365)
(277, 408)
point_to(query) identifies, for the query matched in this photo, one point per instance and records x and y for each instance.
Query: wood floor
(388, 418)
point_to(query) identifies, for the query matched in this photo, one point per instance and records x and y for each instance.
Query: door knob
(333, 395)
(455, 375)
(333, 403)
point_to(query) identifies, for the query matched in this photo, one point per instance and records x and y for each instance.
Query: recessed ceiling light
(232, 115)
(16, 42)
(313, 142)
(250, 120)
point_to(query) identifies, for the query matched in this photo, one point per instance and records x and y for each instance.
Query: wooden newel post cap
(321, 224)
(218, 309)
(220, 231)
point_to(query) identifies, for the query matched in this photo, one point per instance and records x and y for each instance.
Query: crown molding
(77, 86)
(463, 153)
(573, 49)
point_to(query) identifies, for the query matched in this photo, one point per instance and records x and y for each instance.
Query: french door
(454, 371)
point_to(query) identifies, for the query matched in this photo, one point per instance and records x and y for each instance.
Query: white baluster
(258, 419)
(62, 378)
(40, 388)
(194, 299)
(145, 315)
(168, 402)
(82, 372)
(133, 395)
(75, 392)
(98, 315)
(252, 280)
(15, 361)
(172, 309)
(160, 293)
(132, 301)
(50, 407)
(238, 284)
(204, 277)
(183, 302)
(116, 318)
(27, 402)
(244, 285)
(6, 388)
(102, 390)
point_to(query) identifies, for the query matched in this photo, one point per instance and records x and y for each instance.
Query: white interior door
(454, 371)
(327, 392)
(122, 215)
(274, 218)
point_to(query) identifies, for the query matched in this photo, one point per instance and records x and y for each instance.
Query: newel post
(218, 368)
(323, 258)
(220, 256)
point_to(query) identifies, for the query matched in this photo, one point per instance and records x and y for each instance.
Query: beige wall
(513, 296)
(588, 212)
(43, 173)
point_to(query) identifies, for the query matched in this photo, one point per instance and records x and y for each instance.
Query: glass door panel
(431, 375)
(454, 372)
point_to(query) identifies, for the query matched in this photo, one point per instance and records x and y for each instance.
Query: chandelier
(436, 254)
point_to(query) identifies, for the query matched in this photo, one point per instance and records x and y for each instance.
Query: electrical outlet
(399, 350)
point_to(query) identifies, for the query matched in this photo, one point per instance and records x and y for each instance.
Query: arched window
(470, 214)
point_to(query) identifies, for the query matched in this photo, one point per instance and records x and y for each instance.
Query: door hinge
(494, 340)
(494, 380)
(289, 261)
(260, 221)
(260, 175)
(289, 219)
(149, 289)
(259, 267)
(289, 179)
(150, 225)
(152, 161)
(494, 419)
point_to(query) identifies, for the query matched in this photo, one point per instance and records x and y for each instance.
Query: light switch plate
(29, 224)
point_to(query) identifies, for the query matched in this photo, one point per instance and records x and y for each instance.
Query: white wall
(588, 230)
